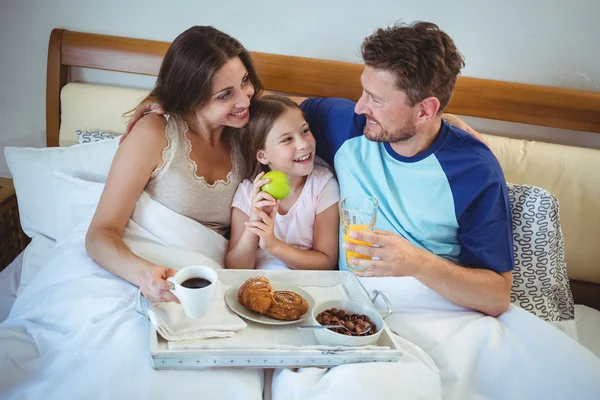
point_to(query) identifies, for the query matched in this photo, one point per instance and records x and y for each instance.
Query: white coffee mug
(196, 302)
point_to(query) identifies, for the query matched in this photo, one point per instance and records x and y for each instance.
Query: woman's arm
(459, 123)
(130, 171)
(324, 254)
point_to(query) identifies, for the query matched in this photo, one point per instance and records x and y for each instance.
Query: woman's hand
(460, 124)
(146, 106)
(265, 227)
(154, 284)
(261, 200)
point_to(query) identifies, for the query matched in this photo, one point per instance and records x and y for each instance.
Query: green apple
(278, 187)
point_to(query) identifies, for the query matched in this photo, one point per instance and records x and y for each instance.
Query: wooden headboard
(504, 101)
(484, 98)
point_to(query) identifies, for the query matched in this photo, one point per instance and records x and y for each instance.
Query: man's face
(389, 118)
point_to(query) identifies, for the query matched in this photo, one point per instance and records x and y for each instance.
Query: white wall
(548, 42)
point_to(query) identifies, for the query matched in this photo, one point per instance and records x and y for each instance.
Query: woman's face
(230, 97)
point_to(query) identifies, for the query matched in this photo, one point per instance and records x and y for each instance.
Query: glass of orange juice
(357, 213)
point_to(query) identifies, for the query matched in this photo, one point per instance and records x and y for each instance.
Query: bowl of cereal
(359, 325)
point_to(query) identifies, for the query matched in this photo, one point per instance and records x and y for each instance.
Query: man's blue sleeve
(485, 231)
(481, 203)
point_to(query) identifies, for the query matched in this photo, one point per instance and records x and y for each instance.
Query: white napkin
(170, 320)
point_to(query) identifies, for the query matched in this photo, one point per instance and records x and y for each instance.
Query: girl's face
(230, 98)
(290, 146)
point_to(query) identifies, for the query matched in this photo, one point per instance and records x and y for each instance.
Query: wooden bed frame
(505, 101)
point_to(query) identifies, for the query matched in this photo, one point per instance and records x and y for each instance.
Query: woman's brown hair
(185, 78)
(264, 112)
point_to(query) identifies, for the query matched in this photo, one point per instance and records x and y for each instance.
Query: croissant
(256, 294)
(287, 306)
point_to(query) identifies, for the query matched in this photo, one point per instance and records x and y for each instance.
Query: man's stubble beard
(405, 133)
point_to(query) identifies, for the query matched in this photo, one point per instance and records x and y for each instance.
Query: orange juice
(352, 254)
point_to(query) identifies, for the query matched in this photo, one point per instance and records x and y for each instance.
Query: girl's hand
(265, 227)
(261, 200)
(154, 284)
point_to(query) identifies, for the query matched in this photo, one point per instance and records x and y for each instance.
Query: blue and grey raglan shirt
(450, 199)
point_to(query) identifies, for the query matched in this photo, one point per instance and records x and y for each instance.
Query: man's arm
(483, 278)
(480, 289)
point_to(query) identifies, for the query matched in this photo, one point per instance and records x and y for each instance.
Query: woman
(186, 160)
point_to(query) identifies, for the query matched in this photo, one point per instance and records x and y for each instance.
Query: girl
(300, 231)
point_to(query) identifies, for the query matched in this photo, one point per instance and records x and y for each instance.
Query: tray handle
(139, 304)
(377, 293)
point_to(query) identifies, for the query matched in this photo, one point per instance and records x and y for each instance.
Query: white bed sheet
(76, 324)
(588, 327)
(10, 278)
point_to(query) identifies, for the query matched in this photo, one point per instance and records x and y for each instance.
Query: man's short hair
(424, 60)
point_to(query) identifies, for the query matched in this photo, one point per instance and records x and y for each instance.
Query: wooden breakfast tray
(256, 345)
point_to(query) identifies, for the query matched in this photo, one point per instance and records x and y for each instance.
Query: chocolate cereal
(356, 323)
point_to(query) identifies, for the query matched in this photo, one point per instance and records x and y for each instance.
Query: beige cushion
(95, 108)
(573, 175)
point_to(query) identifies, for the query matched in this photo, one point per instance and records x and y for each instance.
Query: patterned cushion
(91, 136)
(540, 282)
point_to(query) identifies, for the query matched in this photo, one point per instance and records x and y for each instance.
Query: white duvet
(73, 333)
(515, 356)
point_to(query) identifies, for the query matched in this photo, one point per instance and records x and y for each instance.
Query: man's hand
(392, 255)
(460, 124)
(146, 106)
(480, 289)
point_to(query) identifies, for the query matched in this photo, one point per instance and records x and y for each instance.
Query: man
(444, 215)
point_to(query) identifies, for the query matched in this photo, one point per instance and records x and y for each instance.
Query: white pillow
(34, 257)
(76, 202)
(32, 171)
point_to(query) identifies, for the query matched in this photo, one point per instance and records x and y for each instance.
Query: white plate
(231, 298)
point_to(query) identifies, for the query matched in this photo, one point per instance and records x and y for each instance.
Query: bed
(568, 172)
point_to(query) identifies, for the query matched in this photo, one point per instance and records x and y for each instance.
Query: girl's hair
(185, 78)
(264, 112)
